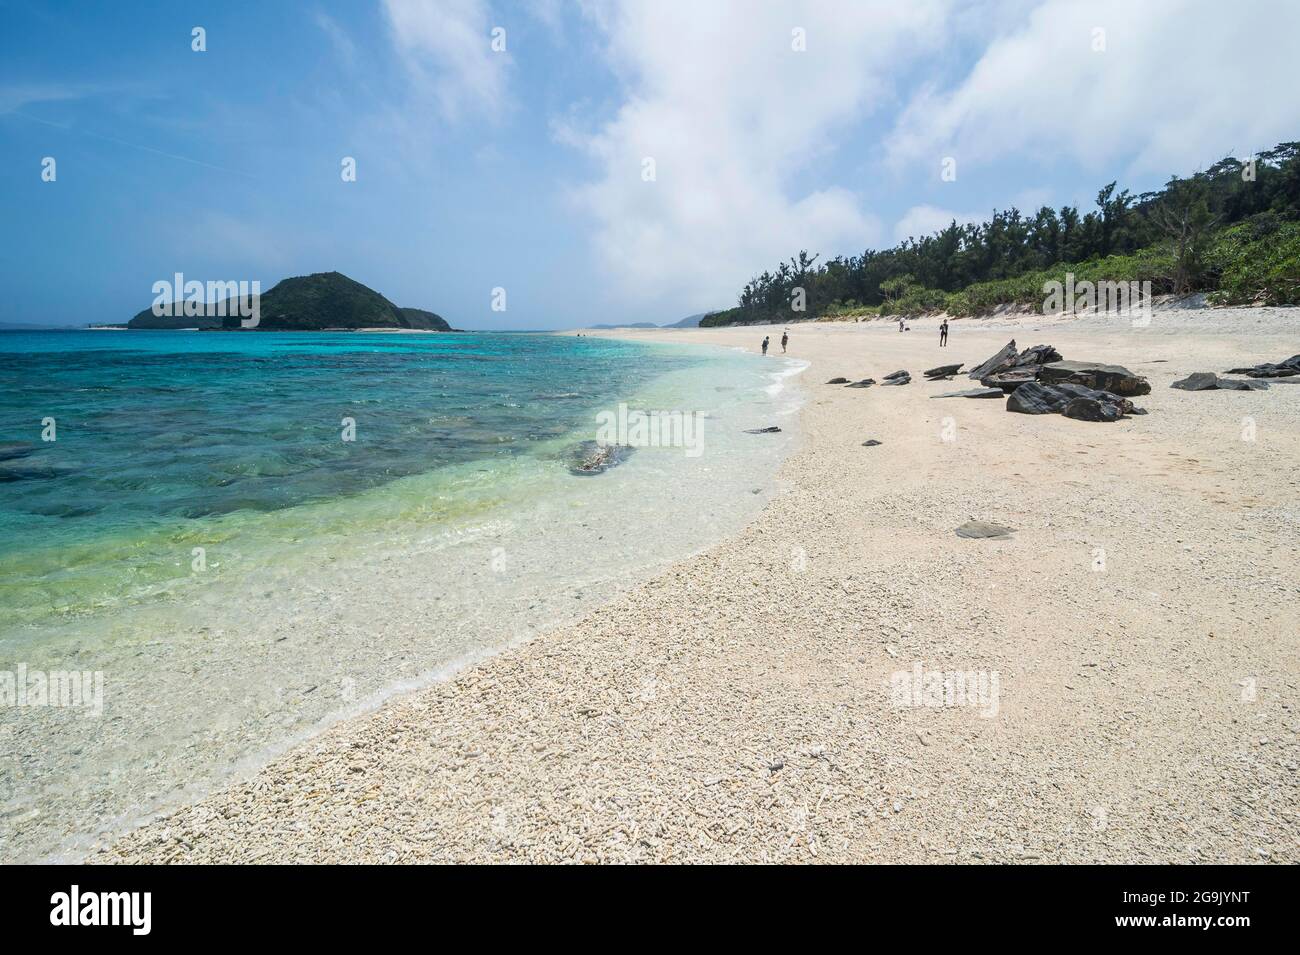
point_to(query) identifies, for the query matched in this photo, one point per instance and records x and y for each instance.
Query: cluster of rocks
(1209, 381)
(864, 383)
(1070, 400)
(589, 458)
(1038, 380)
(1283, 369)
(1009, 369)
(1284, 372)
(894, 378)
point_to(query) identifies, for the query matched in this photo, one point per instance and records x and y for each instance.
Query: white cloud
(923, 220)
(1180, 82)
(731, 114)
(446, 48)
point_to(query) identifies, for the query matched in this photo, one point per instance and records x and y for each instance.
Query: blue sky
(523, 169)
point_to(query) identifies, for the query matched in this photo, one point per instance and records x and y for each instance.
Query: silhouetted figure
(785, 338)
(943, 334)
(765, 341)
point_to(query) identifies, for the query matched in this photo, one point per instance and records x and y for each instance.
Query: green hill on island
(323, 300)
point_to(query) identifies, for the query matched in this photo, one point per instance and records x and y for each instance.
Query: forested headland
(1232, 231)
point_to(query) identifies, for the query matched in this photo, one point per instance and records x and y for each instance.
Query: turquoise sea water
(161, 435)
(201, 533)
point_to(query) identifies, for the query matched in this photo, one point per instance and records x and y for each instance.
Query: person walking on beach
(900, 324)
(943, 334)
(785, 337)
(765, 341)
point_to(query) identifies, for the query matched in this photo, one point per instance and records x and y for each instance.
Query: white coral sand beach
(1133, 643)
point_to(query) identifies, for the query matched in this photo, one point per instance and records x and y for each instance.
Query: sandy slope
(738, 707)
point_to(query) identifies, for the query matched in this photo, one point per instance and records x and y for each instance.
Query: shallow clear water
(201, 533)
(159, 435)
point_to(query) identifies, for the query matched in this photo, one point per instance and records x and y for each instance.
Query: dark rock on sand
(871, 443)
(1008, 358)
(1115, 379)
(944, 371)
(1198, 381)
(864, 383)
(591, 457)
(897, 374)
(973, 393)
(982, 530)
(1038, 355)
(769, 430)
(1093, 409)
(1288, 368)
(1003, 359)
(1209, 381)
(1010, 380)
(1037, 397)
(838, 381)
(897, 378)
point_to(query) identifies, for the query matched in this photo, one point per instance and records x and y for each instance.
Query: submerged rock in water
(30, 472)
(591, 457)
(1116, 379)
(769, 430)
(9, 450)
(983, 530)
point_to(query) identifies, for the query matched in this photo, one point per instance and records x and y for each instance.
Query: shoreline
(413, 581)
(736, 707)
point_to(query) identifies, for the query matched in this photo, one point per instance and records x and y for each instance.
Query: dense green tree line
(1169, 235)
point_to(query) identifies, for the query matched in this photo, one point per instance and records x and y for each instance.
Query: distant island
(690, 321)
(309, 303)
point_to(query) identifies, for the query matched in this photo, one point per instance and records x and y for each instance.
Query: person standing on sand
(785, 337)
(943, 334)
(765, 341)
(900, 324)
